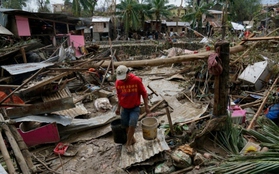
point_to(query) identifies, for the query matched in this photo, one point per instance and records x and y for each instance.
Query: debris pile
(57, 113)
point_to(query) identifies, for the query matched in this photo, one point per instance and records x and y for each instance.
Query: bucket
(118, 132)
(149, 128)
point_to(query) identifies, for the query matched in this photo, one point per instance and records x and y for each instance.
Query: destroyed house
(49, 28)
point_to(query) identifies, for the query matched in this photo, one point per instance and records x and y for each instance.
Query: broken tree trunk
(221, 82)
(19, 157)
(175, 59)
(252, 123)
(262, 38)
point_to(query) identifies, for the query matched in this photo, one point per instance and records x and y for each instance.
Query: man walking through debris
(129, 88)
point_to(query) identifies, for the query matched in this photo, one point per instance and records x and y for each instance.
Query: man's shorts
(129, 117)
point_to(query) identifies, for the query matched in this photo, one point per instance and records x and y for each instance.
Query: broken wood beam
(68, 69)
(22, 51)
(41, 108)
(42, 83)
(260, 109)
(152, 108)
(153, 92)
(170, 121)
(262, 38)
(175, 59)
(246, 105)
(6, 155)
(23, 148)
(19, 157)
(24, 83)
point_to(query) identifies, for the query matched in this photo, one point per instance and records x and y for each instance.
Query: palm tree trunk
(178, 14)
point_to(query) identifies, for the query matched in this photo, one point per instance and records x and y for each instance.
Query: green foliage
(83, 7)
(129, 10)
(195, 12)
(241, 10)
(230, 139)
(257, 162)
(159, 8)
(268, 131)
(14, 4)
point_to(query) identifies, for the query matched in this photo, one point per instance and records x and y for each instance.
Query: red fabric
(130, 91)
(12, 99)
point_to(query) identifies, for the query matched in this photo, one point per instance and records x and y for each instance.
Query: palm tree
(144, 13)
(160, 9)
(86, 5)
(129, 10)
(195, 12)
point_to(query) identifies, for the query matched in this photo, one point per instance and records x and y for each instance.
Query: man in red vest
(130, 89)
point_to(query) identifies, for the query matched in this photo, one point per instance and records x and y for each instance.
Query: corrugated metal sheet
(25, 67)
(100, 19)
(181, 24)
(143, 149)
(73, 112)
(4, 30)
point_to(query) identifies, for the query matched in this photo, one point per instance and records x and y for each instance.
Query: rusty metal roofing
(15, 69)
(79, 108)
(39, 15)
(143, 149)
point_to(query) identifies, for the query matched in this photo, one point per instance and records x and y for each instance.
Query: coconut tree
(159, 8)
(86, 5)
(144, 13)
(128, 11)
(195, 12)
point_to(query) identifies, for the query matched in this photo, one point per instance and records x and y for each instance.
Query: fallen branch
(45, 164)
(252, 123)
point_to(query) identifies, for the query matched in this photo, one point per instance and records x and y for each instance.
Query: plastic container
(149, 128)
(118, 132)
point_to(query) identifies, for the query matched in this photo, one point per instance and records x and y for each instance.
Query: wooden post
(6, 155)
(19, 157)
(22, 50)
(170, 121)
(23, 148)
(221, 82)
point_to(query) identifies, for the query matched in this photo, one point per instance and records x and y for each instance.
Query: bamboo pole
(252, 123)
(6, 155)
(23, 148)
(19, 157)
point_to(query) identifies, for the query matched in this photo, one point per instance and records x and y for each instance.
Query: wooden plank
(42, 83)
(260, 110)
(41, 108)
